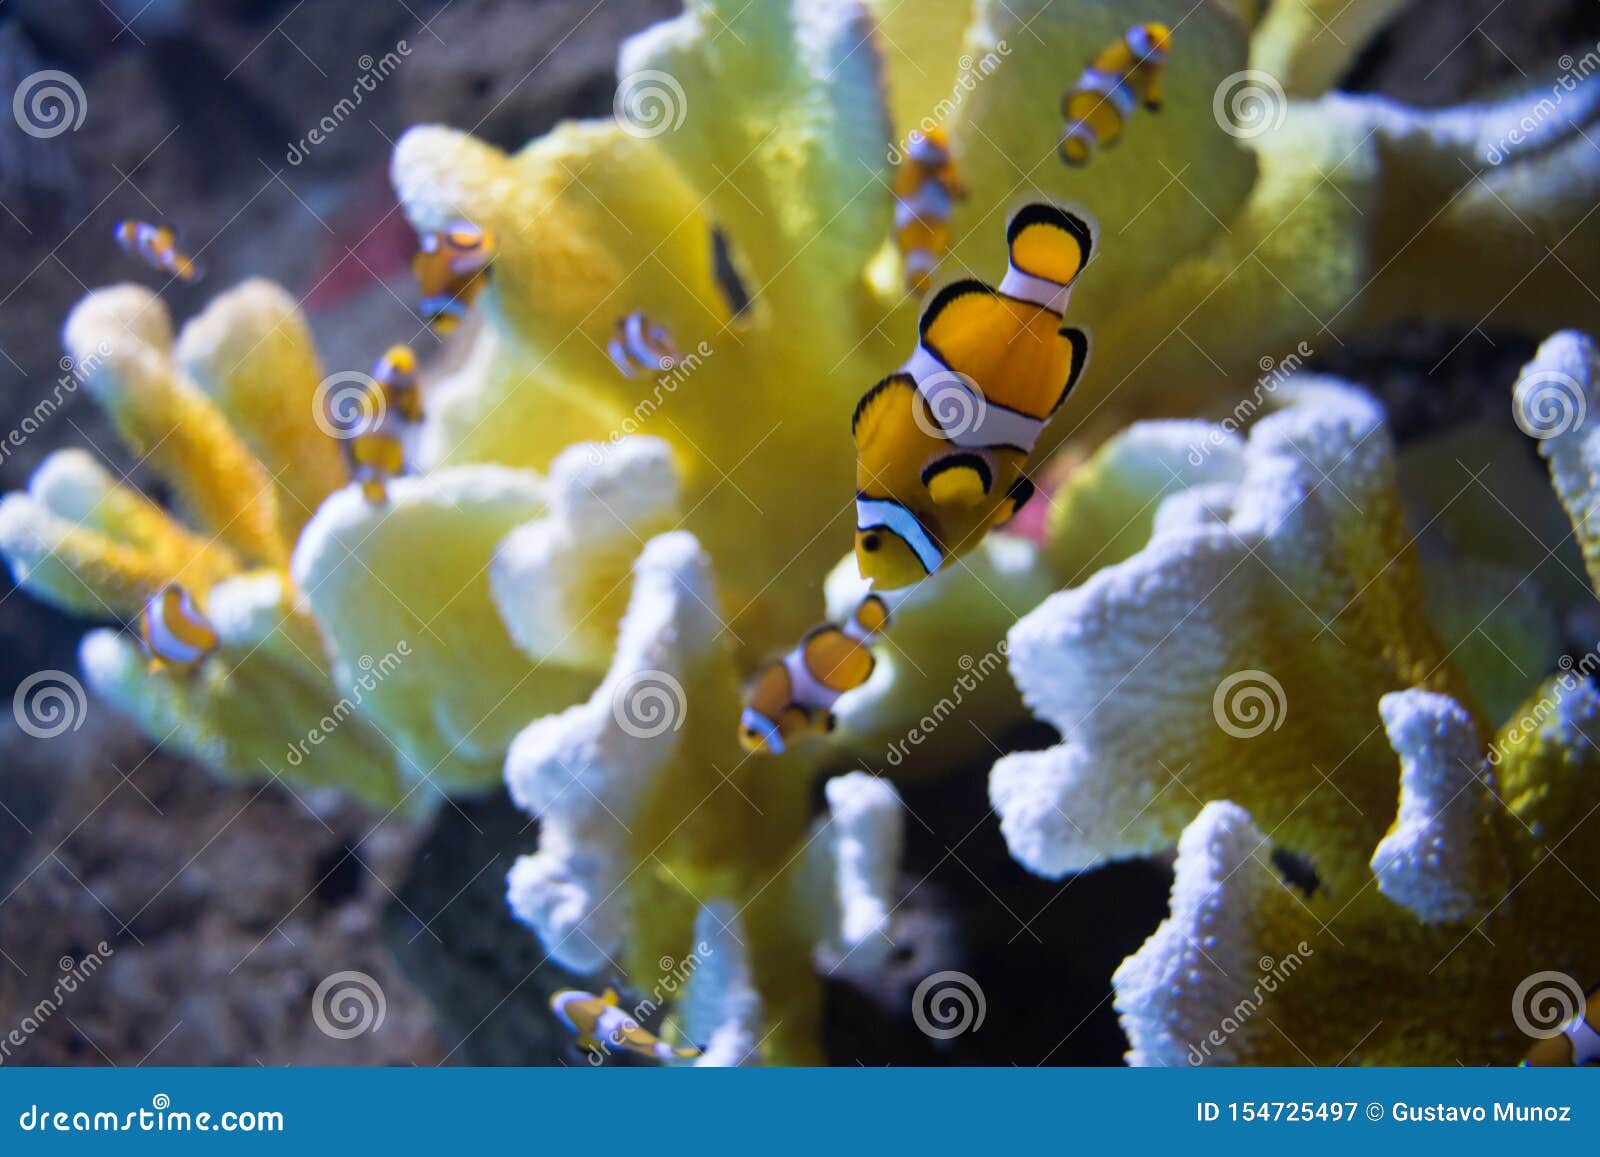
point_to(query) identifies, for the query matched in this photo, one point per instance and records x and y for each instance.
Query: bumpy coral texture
(1273, 641)
(568, 562)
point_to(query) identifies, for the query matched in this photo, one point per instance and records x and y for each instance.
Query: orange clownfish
(796, 694)
(941, 444)
(1120, 76)
(174, 631)
(376, 450)
(925, 189)
(451, 267)
(1577, 1044)
(157, 247)
(600, 1024)
(637, 343)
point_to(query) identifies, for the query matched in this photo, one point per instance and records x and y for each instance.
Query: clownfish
(637, 343)
(796, 694)
(925, 189)
(376, 450)
(600, 1024)
(451, 267)
(1119, 76)
(941, 443)
(1577, 1044)
(174, 631)
(157, 247)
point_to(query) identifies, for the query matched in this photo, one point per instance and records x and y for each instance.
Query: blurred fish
(926, 189)
(637, 343)
(941, 444)
(796, 694)
(599, 1023)
(174, 631)
(1118, 77)
(375, 449)
(1577, 1044)
(451, 267)
(157, 247)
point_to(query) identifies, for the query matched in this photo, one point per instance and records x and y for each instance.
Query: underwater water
(832, 532)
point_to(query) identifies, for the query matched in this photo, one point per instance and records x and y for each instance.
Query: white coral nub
(854, 856)
(587, 771)
(722, 1012)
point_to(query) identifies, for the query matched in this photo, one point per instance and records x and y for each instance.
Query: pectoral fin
(958, 480)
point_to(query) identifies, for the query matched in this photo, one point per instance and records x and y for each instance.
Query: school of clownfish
(942, 443)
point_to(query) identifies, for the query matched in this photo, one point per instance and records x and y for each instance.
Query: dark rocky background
(225, 906)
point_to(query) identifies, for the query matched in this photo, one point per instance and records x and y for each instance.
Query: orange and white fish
(796, 695)
(376, 450)
(600, 1024)
(157, 247)
(637, 343)
(926, 189)
(943, 442)
(451, 267)
(1119, 77)
(1577, 1044)
(174, 631)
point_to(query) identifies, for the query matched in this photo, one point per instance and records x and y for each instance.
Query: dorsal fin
(834, 659)
(875, 408)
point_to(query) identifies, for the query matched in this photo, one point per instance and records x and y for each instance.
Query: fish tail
(1049, 247)
(686, 1052)
(1076, 145)
(375, 491)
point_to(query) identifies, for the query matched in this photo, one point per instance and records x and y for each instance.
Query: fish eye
(870, 542)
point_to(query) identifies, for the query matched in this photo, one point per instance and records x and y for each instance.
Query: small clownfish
(174, 631)
(637, 343)
(941, 444)
(1118, 77)
(1577, 1044)
(157, 247)
(600, 1024)
(451, 267)
(926, 189)
(796, 694)
(376, 452)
